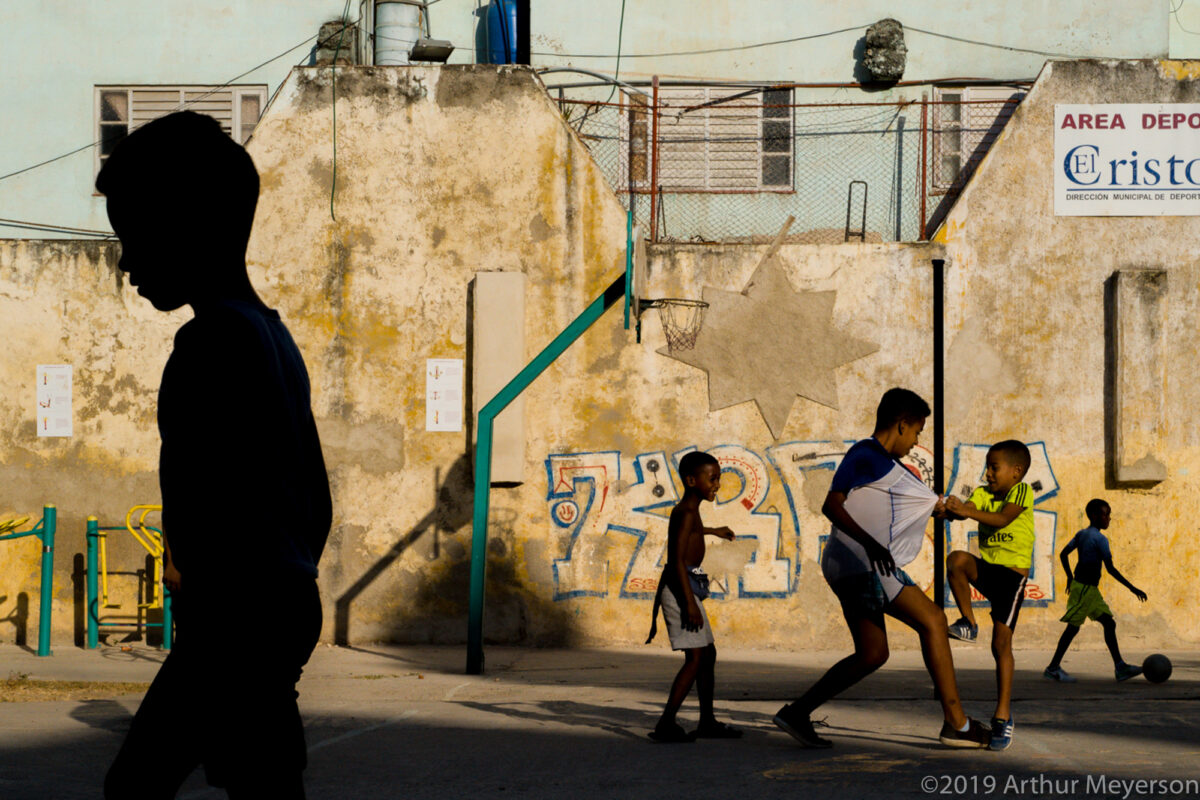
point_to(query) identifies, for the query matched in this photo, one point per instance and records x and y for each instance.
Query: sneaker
(964, 631)
(1057, 674)
(799, 727)
(1002, 733)
(1127, 671)
(976, 735)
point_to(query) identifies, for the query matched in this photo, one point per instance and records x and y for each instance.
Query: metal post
(654, 199)
(167, 632)
(924, 163)
(49, 523)
(628, 259)
(939, 428)
(483, 458)
(92, 609)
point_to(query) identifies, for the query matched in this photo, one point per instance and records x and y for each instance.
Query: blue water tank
(502, 32)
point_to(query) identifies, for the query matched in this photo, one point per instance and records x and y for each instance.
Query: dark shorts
(865, 594)
(1003, 588)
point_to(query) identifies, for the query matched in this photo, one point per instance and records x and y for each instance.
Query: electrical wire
(1178, 21)
(333, 105)
(620, 36)
(181, 107)
(46, 226)
(990, 44)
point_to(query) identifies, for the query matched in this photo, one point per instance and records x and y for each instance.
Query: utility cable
(620, 36)
(181, 107)
(333, 104)
(1178, 21)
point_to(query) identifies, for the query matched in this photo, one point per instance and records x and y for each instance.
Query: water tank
(502, 32)
(397, 28)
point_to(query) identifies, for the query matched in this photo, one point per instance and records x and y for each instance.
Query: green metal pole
(49, 523)
(483, 457)
(166, 620)
(93, 590)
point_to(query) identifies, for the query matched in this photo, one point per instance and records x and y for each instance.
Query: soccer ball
(1156, 668)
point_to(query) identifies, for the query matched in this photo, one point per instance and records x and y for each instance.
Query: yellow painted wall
(442, 173)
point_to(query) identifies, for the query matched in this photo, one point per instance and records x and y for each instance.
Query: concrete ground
(405, 722)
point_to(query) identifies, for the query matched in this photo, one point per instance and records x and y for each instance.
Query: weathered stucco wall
(65, 303)
(1027, 330)
(443, 173)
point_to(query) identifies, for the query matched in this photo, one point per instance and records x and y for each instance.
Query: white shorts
(681, 639)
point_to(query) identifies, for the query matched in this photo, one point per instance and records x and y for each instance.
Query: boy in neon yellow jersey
(1004, 510)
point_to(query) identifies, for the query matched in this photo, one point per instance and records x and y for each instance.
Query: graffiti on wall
(969, 462)
(609, 518)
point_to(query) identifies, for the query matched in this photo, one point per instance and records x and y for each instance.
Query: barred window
(966, 122)
(714, 139)
(121, 109)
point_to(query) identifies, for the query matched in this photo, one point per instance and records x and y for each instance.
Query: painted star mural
(769, 343)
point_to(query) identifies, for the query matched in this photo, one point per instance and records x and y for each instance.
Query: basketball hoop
(681, 320)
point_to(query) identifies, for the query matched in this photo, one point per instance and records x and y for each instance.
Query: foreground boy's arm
(1138, 593)
(835, 511)
(957, 509)
(723, 532)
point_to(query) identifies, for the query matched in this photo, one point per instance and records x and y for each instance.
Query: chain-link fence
(729, 164)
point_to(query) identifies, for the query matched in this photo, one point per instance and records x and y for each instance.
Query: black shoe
(671, 734)
(976, 735)
(799, 727)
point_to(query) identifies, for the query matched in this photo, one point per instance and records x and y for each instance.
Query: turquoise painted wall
(57, 51)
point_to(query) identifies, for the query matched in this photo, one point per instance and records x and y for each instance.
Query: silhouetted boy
(1085, 601)
(878, 510)
(681, 590)
(246, 504)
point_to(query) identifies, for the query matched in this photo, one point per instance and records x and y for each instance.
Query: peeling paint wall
(442, 173)
(1027, 328)
(65, 302)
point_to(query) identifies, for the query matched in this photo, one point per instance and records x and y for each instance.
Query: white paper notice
(444, 394)
(54, 400)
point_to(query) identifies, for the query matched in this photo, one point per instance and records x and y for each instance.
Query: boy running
(1085, 601)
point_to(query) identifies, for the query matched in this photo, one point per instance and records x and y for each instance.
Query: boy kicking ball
(1085, 601)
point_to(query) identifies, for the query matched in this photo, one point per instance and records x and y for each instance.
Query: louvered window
(967, 121)
(724, 140)
(120, 109)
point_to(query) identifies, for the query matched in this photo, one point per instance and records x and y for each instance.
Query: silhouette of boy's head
(691, 463)
(181, 197)
(1098, 513)
(899, 405)
(1014, 453)
(701, 473)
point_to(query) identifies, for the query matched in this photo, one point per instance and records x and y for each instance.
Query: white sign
(444, 394)
(54, 400)
(1127, 160)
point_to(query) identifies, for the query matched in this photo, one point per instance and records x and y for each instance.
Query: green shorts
(1085, 602)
